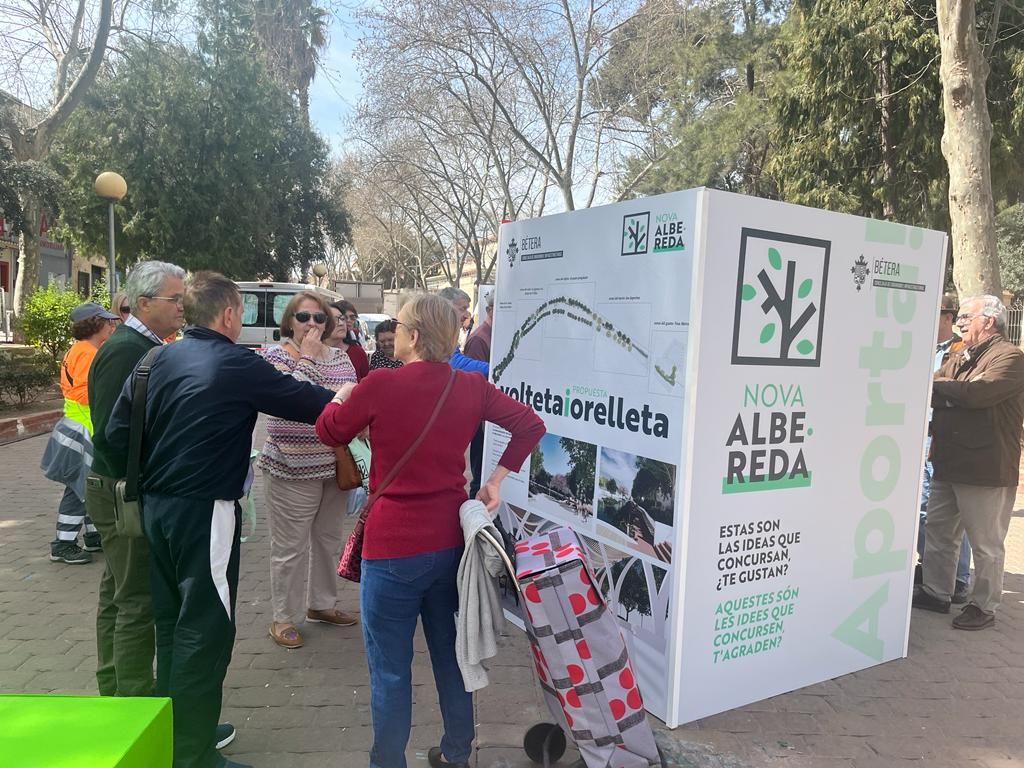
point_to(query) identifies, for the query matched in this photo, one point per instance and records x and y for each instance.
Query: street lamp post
(319, 271)
(111, 187)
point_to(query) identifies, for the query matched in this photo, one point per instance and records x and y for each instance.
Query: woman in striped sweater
(306, 508)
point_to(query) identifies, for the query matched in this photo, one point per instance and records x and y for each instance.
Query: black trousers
(194, 553)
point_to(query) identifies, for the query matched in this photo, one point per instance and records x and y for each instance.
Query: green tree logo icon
(635, 228)
(780, 299)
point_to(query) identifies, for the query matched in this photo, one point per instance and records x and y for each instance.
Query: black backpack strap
(138, 424)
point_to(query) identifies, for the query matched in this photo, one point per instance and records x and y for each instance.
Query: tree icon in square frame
(780, 299)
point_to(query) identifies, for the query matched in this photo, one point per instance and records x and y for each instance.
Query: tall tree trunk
(966, 145)
(885, 130)
(32, 142)
(28, 252)
(304, 105)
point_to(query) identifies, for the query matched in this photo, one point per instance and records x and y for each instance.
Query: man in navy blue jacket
(205, 393)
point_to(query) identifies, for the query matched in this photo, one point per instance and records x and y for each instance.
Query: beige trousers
(984, 513)
(306, 518)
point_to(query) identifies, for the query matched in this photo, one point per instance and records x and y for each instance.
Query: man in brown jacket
(978, 401)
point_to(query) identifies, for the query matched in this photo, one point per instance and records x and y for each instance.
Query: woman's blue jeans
(393, 595)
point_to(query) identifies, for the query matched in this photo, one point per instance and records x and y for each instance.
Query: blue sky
(335, 91)
(555, 459)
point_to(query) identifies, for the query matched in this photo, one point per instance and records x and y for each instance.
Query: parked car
(263, 303)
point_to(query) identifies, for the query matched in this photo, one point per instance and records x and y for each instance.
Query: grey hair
(992, 307)
(145, 280)
(453, 294)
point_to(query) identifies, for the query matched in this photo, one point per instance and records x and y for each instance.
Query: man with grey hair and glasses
(978, 401)
(124, 619)
(459, 299)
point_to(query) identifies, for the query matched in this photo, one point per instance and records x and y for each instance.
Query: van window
(280, 304)
(252, 309)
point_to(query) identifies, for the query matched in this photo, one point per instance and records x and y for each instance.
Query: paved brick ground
(954, 702)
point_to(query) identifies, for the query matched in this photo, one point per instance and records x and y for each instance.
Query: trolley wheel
(544, 740)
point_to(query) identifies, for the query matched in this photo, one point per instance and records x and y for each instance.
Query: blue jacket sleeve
(460, 362)
(279, 394)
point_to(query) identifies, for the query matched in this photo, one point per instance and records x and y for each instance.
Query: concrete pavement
(953, 702)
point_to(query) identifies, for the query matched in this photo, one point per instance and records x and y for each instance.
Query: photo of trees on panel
(562, 474)
(636, 498)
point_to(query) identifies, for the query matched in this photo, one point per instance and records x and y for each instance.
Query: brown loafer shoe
(332, 616)
(972, 618)
(286, 635)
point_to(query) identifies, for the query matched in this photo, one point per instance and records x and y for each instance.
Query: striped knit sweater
(292, 450)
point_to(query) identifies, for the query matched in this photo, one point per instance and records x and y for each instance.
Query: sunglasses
(318, 317)
(124, 310)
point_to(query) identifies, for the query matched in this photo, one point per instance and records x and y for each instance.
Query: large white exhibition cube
(735, 392)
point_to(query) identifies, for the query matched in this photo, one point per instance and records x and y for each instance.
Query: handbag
(127, 504)
(346, 473)
(350, 566)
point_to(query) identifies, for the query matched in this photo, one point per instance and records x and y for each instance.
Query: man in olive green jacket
(124, 620)
(978, 401)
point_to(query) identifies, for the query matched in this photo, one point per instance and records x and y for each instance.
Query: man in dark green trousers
(124, 620)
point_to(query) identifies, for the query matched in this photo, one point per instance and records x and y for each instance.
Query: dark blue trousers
(194, 553)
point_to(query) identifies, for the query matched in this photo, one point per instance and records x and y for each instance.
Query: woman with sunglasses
(119, 306)
(305, 507)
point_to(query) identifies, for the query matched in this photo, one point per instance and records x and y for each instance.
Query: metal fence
(1014, 320)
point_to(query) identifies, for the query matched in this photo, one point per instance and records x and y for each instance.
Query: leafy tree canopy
(20, 178)
(222, 171)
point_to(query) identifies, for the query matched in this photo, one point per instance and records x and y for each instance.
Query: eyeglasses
(351, 318)
(179, 300)
(125, 310)
(408, 327)
(965, 318)
(318, 317)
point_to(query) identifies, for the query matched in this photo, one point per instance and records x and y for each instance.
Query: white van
(263, 304)
(369, 323)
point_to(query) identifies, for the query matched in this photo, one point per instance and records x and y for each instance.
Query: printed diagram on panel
(566, 323)
(668, 362)
(637, 589)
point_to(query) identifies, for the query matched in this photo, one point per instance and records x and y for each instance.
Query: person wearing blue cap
(68, 454)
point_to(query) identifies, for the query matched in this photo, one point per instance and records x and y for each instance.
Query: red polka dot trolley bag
(581, 660)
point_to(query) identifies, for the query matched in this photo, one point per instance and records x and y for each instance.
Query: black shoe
(962, 592)
(973, 618)
(918, 575)
(91, 542)
(68, 552)
(224, 735)
(436, 760)
(928, 602)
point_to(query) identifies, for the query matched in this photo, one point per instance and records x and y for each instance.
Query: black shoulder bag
(127, 504)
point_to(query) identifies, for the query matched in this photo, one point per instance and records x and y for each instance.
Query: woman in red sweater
(413, 537)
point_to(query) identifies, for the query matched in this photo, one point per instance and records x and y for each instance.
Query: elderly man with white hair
(978, 400)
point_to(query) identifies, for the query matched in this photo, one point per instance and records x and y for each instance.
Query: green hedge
(45, 321)
(23, 378)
